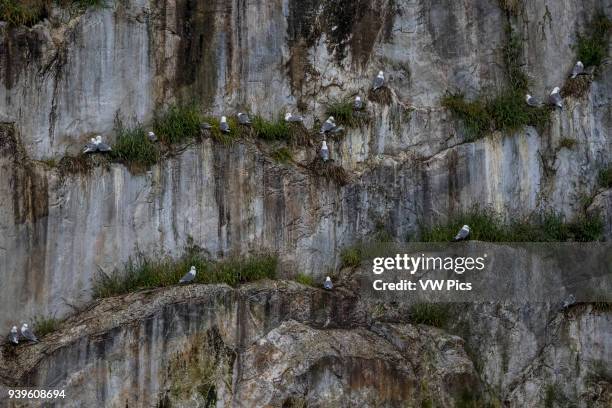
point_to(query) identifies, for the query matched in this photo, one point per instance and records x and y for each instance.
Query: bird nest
(382, 96)
(329, 170)
(576, 87)
(300, 135)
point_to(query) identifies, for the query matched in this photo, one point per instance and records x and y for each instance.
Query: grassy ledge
(30, 12)
(488, 226)
(431, 314)
(305, 279)
(44, 325)
(146, 274)
(134, 149)
(605, 177)
(345, 115)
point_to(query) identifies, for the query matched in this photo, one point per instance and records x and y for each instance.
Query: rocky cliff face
(73, 75)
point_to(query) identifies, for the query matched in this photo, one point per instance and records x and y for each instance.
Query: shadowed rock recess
(65, 221)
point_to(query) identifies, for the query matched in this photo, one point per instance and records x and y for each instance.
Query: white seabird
(102, 147)
(189, 276)
(91, 147)
(289, 117)
(463, 233)
(328, 125)
(223, 126)
(244, 119)
(569, 301)
(328, 284)
(555, 98)
(27, 333)
(358, 104)
(324, 151)
(152, 137)
(14, 335)
(379, 81)
(578, 69)
(531, 101)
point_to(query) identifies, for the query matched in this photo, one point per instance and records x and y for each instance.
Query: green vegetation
(351, 257)
(576, 87)
(431, 314)
(345, 115)
(488, 226)
(511, 6)
(605, 177)
(278, 129)
(568, 143)
(45, 325)
(305, 279)
(134, 148)
(507, 111)
(329, 170)
(177, 124)
(146, 274)
(30, 12)
(282, 155)
(592, 48)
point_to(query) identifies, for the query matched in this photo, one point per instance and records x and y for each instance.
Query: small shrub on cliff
(488, 226)
(431, 314)
(134, 149)
(45, 325)
(576, 87)
(344, 114)
(282, 155)
(145, 273)
(592, 48)
(30, 12)
(605, 177)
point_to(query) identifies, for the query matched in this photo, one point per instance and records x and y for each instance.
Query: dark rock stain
(196, 63)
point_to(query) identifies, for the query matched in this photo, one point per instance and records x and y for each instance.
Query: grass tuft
(351, 257)
(605, 177)
(146, 274)
(568, 143)
(344, 114)
(45, 325)
(30, 12)
(305, 279)
(282, 155)
(278, 129)
(431, 314)
(592, 47)
(74, 164)
(178, 124)
(134, 149)
(486, 225)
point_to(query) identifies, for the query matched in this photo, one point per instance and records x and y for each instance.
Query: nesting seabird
(328, 284)
(223, 126)
(289, 117)
(324, 151)
(531, 101)
(27, 333)
(463, 233)
(91, 147)
(328, 125)
(152, 137)
(358, 104)
(189, 276)
(555, 98)
(14, 335)
(102, 147)
(244, 119)
(578, 69)
(379, 81)
(569, 301)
